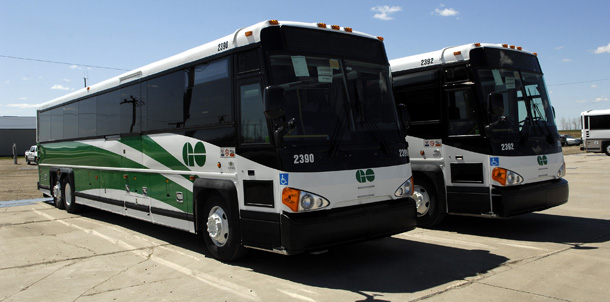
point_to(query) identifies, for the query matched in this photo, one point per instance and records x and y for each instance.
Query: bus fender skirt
(433, 172)
(62, 172)
(203, 187)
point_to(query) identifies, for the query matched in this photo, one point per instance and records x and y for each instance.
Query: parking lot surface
(561, 254)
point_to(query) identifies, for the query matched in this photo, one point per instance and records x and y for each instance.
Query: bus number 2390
(303, 159)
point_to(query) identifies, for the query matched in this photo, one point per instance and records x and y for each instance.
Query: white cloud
(22, 98)
(558, 47)
(445, 12)
(602, 49)
(566, 60)
(23, 106)
(385, 11)
(601, 99)
(75, 67)
(581, 101)
(59, 87)
(593, 86)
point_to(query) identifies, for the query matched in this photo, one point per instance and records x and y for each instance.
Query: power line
(62, 63)
(582, 82)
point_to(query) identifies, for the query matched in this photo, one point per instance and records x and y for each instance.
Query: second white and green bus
(595, 131)
(282, 136)
(483, 139)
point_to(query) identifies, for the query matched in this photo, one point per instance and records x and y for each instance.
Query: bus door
(464, 153)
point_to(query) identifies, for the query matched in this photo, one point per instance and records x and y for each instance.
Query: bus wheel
(58, 199)
(607, 149)
(222, 235)
(429, 211)
(68, 197)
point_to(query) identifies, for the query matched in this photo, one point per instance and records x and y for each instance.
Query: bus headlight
(301, 201)
(406, 189)
(506, 177)
(562, 171)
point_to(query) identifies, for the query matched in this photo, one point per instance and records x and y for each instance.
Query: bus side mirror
(405, 117)
(274, 102)
(495, 104)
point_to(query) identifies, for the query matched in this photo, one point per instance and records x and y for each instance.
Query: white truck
(31, 155)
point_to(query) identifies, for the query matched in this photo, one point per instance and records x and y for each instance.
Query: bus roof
(596, 112)
(446, 55)
(240, 38)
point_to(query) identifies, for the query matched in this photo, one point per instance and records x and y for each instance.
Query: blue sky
(572, 38)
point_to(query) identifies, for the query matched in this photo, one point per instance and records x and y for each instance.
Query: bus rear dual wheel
(63, 196)
(607, 149)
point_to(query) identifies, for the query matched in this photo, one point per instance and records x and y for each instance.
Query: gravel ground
(18, 182)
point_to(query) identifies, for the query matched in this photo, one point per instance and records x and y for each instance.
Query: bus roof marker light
(321, 25)
(335, 27)
(457, 53)
(519, 48)
(248, 33)
(348, 29)
(380, 38)
(477, 44)
(505, 45)
(273, 22)
(512, 47)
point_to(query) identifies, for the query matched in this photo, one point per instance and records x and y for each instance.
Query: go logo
(542, 160)
(364, 176)
(192, 156)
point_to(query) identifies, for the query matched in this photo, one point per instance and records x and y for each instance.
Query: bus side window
(462, 113)
(253, 121)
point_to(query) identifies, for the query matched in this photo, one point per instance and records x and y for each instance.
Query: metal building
(20, 130)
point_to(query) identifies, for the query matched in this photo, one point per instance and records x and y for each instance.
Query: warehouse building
(20, 130)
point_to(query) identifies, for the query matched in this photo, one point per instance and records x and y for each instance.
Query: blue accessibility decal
(494, 161)
(283, 179)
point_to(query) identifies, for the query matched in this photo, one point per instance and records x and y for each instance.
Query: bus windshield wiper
(549, 136)
(337, 135)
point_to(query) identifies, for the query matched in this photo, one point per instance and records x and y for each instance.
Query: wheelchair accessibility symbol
(283, 179)
(494, 161)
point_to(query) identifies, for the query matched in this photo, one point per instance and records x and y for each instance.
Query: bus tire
(69, 200)
(607, 149)
(56, 192)
(221, 232)
(430, 212)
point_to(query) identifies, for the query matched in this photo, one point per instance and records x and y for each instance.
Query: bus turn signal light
(506, 177)
(290, 197)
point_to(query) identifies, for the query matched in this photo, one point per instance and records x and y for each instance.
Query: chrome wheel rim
(218, 226)
(68, 194)
(422, 200)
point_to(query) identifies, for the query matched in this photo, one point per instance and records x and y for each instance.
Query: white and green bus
(483, 139)
(282, 136)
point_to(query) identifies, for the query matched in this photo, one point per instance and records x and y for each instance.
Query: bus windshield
(517, 103)
(336, 104)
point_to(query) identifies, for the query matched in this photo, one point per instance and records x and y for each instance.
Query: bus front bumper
(315, 231)
(511, 201)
